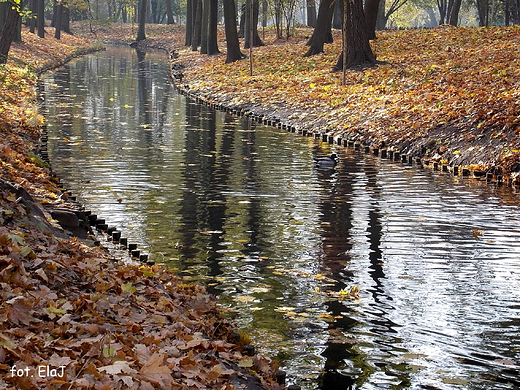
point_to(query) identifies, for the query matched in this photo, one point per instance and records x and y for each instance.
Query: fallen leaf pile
(42, 54)
(160, 36)
(107, 324)
(72, 317)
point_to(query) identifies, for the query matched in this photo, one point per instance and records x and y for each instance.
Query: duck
(326, 162)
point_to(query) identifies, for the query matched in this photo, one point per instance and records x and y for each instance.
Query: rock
(65, 218)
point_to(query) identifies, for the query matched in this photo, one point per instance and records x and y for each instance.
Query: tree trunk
(18, 31)
(204, 27)
(356, 46)
(242, 24)
(454, 13)
(7, 33)
(230, 22)
(189, 22)
(311, 13)
(483, 12)
(381, 19)
(169, 12)
(3, 13)
(154, 13)
(336, 18)
(141, 35)
(197, 24)
(41, 18)
(371, 10)
(65, 18)
(442, 6)
(57, 21)
(32, 20)
(53, 19)
(212, 30)
(322, 33)
(278, 9)
(256, 38)
(265, 10)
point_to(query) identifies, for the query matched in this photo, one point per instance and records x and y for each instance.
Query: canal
(374, 275)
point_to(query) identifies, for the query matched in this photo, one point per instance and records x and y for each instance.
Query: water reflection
(242, 209)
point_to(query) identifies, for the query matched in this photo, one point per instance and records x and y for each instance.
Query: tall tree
(381, 21)
(208, 42)
(442, 6)
(252, 19)
(230, 22)
(190, 17)
(65, 17)
(204, 27)
(289, 11)
(143, 6)
(483, 12)
(212, 28)
(338, 15)
(169, 12)
(32, 20)
(311, 13)
(356, 45)
(278, 11)
(322, 33)
(371, 11)
(197, 25)
(8, 31)
(454, 12)
(58, 12)
(41, 18)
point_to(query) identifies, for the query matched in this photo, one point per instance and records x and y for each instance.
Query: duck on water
(326, 162)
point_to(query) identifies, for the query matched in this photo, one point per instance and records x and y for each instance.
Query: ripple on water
(241, 208)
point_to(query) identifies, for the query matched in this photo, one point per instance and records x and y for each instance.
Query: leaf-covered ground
(449, 94)
(72, 317)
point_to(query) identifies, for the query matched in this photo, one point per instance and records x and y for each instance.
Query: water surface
(241, 208)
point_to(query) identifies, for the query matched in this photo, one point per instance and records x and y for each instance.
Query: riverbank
(72, 316)
(446, 97)
(431, 103)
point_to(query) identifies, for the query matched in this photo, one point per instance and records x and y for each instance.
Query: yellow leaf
(108, 351)
(54, 310)
(248, 362)
(128, 287)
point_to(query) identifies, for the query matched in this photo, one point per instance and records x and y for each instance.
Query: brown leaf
(156, 372)
(19, 311)
(118, 367)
